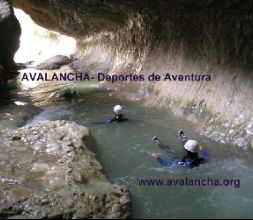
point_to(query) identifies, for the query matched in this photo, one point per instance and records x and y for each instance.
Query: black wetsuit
(193, 158)
(118, 118)
(189, 157)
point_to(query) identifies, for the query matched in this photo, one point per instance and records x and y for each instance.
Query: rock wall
(180, 37)
(9, 42)
(10, 33)
(3, 76)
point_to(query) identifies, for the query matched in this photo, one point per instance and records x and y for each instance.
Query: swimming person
(118, 114)
(191, 152)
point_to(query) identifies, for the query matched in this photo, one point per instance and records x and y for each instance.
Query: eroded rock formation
(51, 173)
(180, 37)
(10, 33)
(9, 42)
(53, 63)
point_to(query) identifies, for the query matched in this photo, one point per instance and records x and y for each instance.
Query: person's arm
(182, 137)
(160, 160)
(159, 144)
(164, 147)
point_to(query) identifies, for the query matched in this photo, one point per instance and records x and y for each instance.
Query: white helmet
(192, 146)
(118, 109)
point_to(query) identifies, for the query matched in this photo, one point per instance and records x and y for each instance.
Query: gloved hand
(155, 155)
(180, 132)
(154, 138)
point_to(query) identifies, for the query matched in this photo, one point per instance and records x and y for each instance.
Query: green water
(124, 150)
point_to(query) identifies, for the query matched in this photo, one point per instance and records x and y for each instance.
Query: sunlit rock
(38, 44)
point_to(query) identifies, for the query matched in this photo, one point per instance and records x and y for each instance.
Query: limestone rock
(53, 63)
(58, 178)
(241, 143)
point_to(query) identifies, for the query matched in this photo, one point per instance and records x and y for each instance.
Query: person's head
(118, 110)
(192, 146)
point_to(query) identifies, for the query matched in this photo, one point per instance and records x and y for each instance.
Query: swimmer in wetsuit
(191, 147)
(118, 114)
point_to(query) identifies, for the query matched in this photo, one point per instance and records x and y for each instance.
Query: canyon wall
(177, 37)
(9, 34)
(9, 42)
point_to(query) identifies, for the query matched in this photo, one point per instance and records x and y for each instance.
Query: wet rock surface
(237, 131)
(14, 116)
(47, 171)
(53, 63)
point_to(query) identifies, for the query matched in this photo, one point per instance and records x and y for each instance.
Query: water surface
(124, 150)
